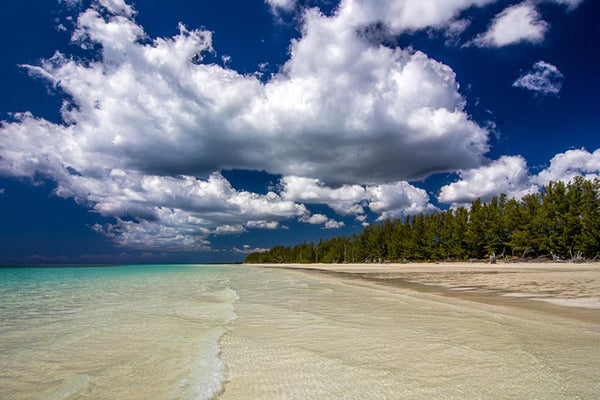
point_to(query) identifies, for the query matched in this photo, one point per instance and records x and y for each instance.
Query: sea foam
(206, 376)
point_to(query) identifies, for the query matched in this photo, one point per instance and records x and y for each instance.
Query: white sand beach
(564, 284)
(415, 331)
(238, 332)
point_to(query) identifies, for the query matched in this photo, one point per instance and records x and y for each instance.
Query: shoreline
(567, 289)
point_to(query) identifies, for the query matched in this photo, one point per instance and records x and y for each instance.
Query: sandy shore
(564, 284)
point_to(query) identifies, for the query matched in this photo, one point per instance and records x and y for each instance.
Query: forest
(561, 222)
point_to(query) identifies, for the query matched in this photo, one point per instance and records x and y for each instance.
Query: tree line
(561, 222)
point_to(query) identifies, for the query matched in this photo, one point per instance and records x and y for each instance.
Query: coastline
(366, 331)
(571, 290)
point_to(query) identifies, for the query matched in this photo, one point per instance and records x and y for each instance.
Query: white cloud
(70, 3)
(516, 24)
(398, 199)
(332, 224)
(544, 78)
(390, 200)
(171, 233)
(397, 113)
(571, 4)
(407, 15)
(117, 7)
(454, 29)
(262, 224)
(565, 166)
(510, 175)
(1, 190)
(229, 229)
(344, 200)
(344, 101)
(318, 219)
(147, 117)
(281, 5)
(247, 249)
(397, 16)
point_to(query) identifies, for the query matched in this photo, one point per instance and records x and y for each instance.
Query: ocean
(236, 332)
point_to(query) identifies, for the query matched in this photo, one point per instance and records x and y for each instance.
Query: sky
(199, 131)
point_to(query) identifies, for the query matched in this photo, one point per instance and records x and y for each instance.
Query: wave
(206, 375)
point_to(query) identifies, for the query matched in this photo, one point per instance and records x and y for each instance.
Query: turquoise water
(113, 332)
(234, 332)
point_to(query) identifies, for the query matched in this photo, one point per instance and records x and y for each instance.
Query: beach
(411, 331)
(564, 284)
(416, 331)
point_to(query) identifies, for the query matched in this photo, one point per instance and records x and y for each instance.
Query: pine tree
(564, 219)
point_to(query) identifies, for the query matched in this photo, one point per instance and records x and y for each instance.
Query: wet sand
(572, 290)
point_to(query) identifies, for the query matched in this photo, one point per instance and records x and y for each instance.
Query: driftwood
(578, 259)
(525, 252)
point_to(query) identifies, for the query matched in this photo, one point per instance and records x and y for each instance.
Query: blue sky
(200, 131)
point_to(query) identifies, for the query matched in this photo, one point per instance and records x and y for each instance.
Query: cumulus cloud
(565, 166)
(398, 199)
(147, 123)
(262, 224)
(516, 24)
(339, 100)
(176, 212)
(389, 200)
(321, 219)
(544, 78)
(388, 110)
(316, 219)
(333, 224)
(510, 175)
(408, 15)
(344, 200)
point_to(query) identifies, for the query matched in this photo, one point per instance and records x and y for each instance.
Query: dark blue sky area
(39, 227)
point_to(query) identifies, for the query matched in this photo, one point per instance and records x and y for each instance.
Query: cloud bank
(510, 175)
(390, 200)
(148, 124)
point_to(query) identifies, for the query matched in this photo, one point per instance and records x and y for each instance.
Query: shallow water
(303, 335)
(191, 332)
(143, 332)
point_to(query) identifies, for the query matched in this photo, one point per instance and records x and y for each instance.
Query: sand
(559, 284)
(414, 331)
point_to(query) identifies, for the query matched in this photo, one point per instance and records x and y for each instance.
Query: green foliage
(563, 220)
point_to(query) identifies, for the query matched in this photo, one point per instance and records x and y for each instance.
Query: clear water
(201, 332)
(135, 332)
